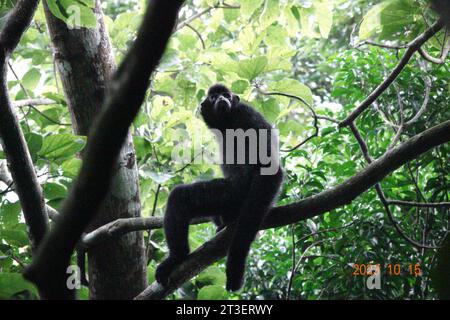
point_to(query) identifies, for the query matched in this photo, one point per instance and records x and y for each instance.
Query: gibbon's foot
(235, 279)
(164, 270)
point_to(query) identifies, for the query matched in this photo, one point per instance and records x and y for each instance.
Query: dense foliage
(310, 49)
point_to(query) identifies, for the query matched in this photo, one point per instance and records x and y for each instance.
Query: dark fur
(243, 197)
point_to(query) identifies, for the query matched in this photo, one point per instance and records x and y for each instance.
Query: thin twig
(47, 117)
(402, 120)
(184, 23)
(328, 230)
(321, 117)
(382, 45)
(293, 261)
(198, 35)
(291, 278)
(33, 102)
(150, 247)
(422, 109)
(197, 15)
(316, 127)
(418, 204)
(25, 91)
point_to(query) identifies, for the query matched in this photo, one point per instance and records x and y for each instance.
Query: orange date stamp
(391, 269)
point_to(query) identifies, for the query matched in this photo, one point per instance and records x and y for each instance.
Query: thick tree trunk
(85, 62)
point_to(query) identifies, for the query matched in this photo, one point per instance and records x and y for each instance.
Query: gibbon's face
(219, 100)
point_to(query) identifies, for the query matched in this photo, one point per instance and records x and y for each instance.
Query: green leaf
(187, 42)
(371, 23)
(387, 18)
(54, 191)
(276, 36)
(158, 177)
(293, 87)
(251, 68)
(55, 9)
(270, 109)
(10, 213)
(34, 142)
(211, 276)
(248, 7)
(270, 13)
(150, 274)
(71, 167)
(61, 146)
(75, 13)
(326, 131)
(79, 15)
(306, 15)
(239, 86)
(231, 15)
(12, 283)
(211, 293)
(31, 79)
(324, 16)
(83, 293)
(15, 235)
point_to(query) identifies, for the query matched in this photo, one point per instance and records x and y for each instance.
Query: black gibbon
(241, 199)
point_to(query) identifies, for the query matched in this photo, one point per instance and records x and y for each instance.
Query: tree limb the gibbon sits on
(252, 179)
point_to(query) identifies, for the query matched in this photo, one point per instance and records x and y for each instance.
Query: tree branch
(412, 48)
(33, 102)
(418, 204)
(122, 102)
(120, 227)
(13, 141)
(383, 45)
(310, 207)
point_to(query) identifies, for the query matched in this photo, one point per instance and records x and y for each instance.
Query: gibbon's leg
(200, 199)
(261, 195)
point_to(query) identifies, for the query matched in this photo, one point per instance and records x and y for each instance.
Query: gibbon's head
(218, 101)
